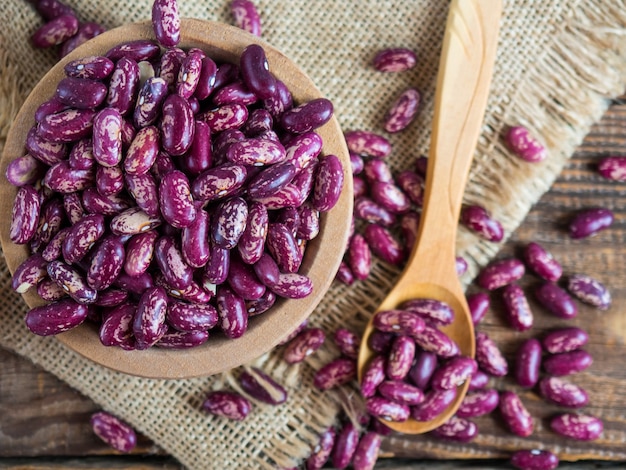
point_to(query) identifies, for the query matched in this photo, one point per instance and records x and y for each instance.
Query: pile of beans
(163, 195)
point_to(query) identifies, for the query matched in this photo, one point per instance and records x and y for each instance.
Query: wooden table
(44, 424)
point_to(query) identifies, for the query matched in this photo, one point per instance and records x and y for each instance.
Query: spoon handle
(465, 69)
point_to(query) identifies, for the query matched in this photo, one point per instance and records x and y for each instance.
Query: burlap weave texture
(558, 62)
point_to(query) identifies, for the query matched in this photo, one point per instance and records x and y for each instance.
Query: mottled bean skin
(117, 327)
(177, 125)
(564, 340)
(366, 453)
(589, 222)
(63, 179)
(368, 210)
(123, 85)
(307, 116)
(562, 392)
(400, 358)
(218, 182)
(556, 300)
(456, 429)
(56, 317)
(535, 459)
(106, 263)
(519, 314)
(477, 219)
(166, 22)
(228, 116)
(367, 143)
(566, 363)
(149, 320)
(188, 317)
(478, 303)
(138, 50)
(175, 200)
(29, 273)
(432, 310)
(117, 434)
(25, 170)
(80, 93)
(515, 414)
(229, 222)
(499, 273)
(345, 445)
(169, 258)
(107, 137)
(528, 363)
(86, 31)
(55, 31)
(387, 410)
(303, 345)
(384, 244)
(347, 341)
(24, 215)
(613, 168)
(401, 392)
(399, 321)
(402, 111)
(173, 339)
(66, 126)
(261, 386)
(397, 59)
(247, 17)
(373, 376)
(453, 373)
(231, 309)
(243, 280)
(92, 67)
(337, 372)
(524, 145)
(435, 402)
(542, 263)
(581, 427)
(434, 340)
(589, 290)
(82, 236)
(489, 356)
(226, 404)
(478, 403)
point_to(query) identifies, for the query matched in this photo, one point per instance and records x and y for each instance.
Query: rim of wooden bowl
(223, 43)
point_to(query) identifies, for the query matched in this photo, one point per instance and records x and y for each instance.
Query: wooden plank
(90, 463)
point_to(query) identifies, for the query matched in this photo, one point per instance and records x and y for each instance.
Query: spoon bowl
(465, 70)
(223, 43)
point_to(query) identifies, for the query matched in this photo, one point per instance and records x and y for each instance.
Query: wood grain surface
(44, 423)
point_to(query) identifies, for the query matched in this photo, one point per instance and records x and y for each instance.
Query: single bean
(434, 340)
(149, 321)
(432, 310)
(386, 409)
(24, 215)
(589, 290)
(337, 372)
(107, 138)
(29, 273)
(479, 304)
(402, 111)
(453, 373)
(255, 72)
(25, 170)
(177, 125)
(175, 200)
(55, 31)
(399, 321)
(56, 317)
(123, 85)
(345, 446)
(535, 459)
(243, 280)
(91, 67)
(307, 116)
(113, 431)
(400, 358)
(169, 258)
(478, 403)
(564, 340)
(581, 427)
(528, 363)
(524, 145)
(516, 416)
(359, 257)
(261, 386)
(80, 93)
(173, 339)
(562, 392)
(499, 273)
(401, 392)
(556, 300)
(589, 222)
(366, 453)
(383, 244)
(150, 100)
(542, 262)
(435, 402)
(456, 429)
(86, 31)
(229, 222)
(138, 50)
(246, 17)
(231, 309)
(613, 168)
(519, 314)
(117, 327)
(373, 376)
(367, 143)
(567, 362)
(303, 345)
(489, 356)
(478, 220)
(397, 59)
(226, 404)
(107, 262)
(348, 342)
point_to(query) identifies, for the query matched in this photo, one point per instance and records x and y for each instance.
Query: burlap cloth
(558, 63)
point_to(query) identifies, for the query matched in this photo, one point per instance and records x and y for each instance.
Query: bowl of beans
(175, 206)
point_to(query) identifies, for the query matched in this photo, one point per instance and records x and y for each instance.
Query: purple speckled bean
(166, 22)
(589, 290)
(434, 311)
(581, 427)
(67, 126)
(93, 202)
(81, 155)
(107, 137)
(217, 267)
(47, 108)
(81, 93)
(384, 244)
(373, 376)
(234, 93)
(55, 31)
(206, 80)
(401, 392)
(256, 152)
(133, 221)
(113, 431)
(135, 284)
(356, 163)
(456, 429)
(43, 150)
(107, 262)
(366, 453)
(368, 210)
(328, 183)
(200, 155)
(226, 404)
(92, 67)
(282, 245)
(270, 180)
(524, 145)
(143, 151)
(86, 31)
(109, 180)
(281, 101)
(82, 236)
(542, 263)
(303, 345)
(175, 200)
(307, 116)
(143, 189)
(111, 297)
(423, 368)
(499, 273)
(63, 179)
(345, 446)
(322, 450)
(260, 122)
(562, 392)
(402, 111)
(51, 9)
(359, 257)
(177, 125)
(169, 65)
(255, 72)
(519, 314)
(169, 258)
(348, 342)
(29, 273)
(261, 386)
(195, 241)
(386, 409)
(613, 168)
(56, 317)
(399, 321)
(292, 286)
(51, 219)
(228, 116)
(303, 149)
(231, 309)
(252, 241)
(117, 327)
(478, 403)
(588, 222)
(564, 340)
(229, 222)
(138, 50)
(123, 85)
(478, 381)
(173, 339)
(566, 363)
(73, 205)
(515, 415)
(152, 95)
(50, 291)
(309, 226)
(556, 300)
(243, 280)
(478, 220)
(479, 304)
(528, 363)
(246, 17)
(261, 305)
(25, 170)
(453, 373)
(489, 357)
(400, 358)
(413, 186)
(435, 402)
(534, 459)
(218, 182)
(24, 215)
(397, 59)
(434, 340)
(367, 143)
(149, 320)
(337, 372)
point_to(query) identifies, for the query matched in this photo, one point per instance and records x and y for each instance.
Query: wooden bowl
(322, 258)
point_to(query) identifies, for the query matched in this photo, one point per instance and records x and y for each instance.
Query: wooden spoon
(468, 54)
